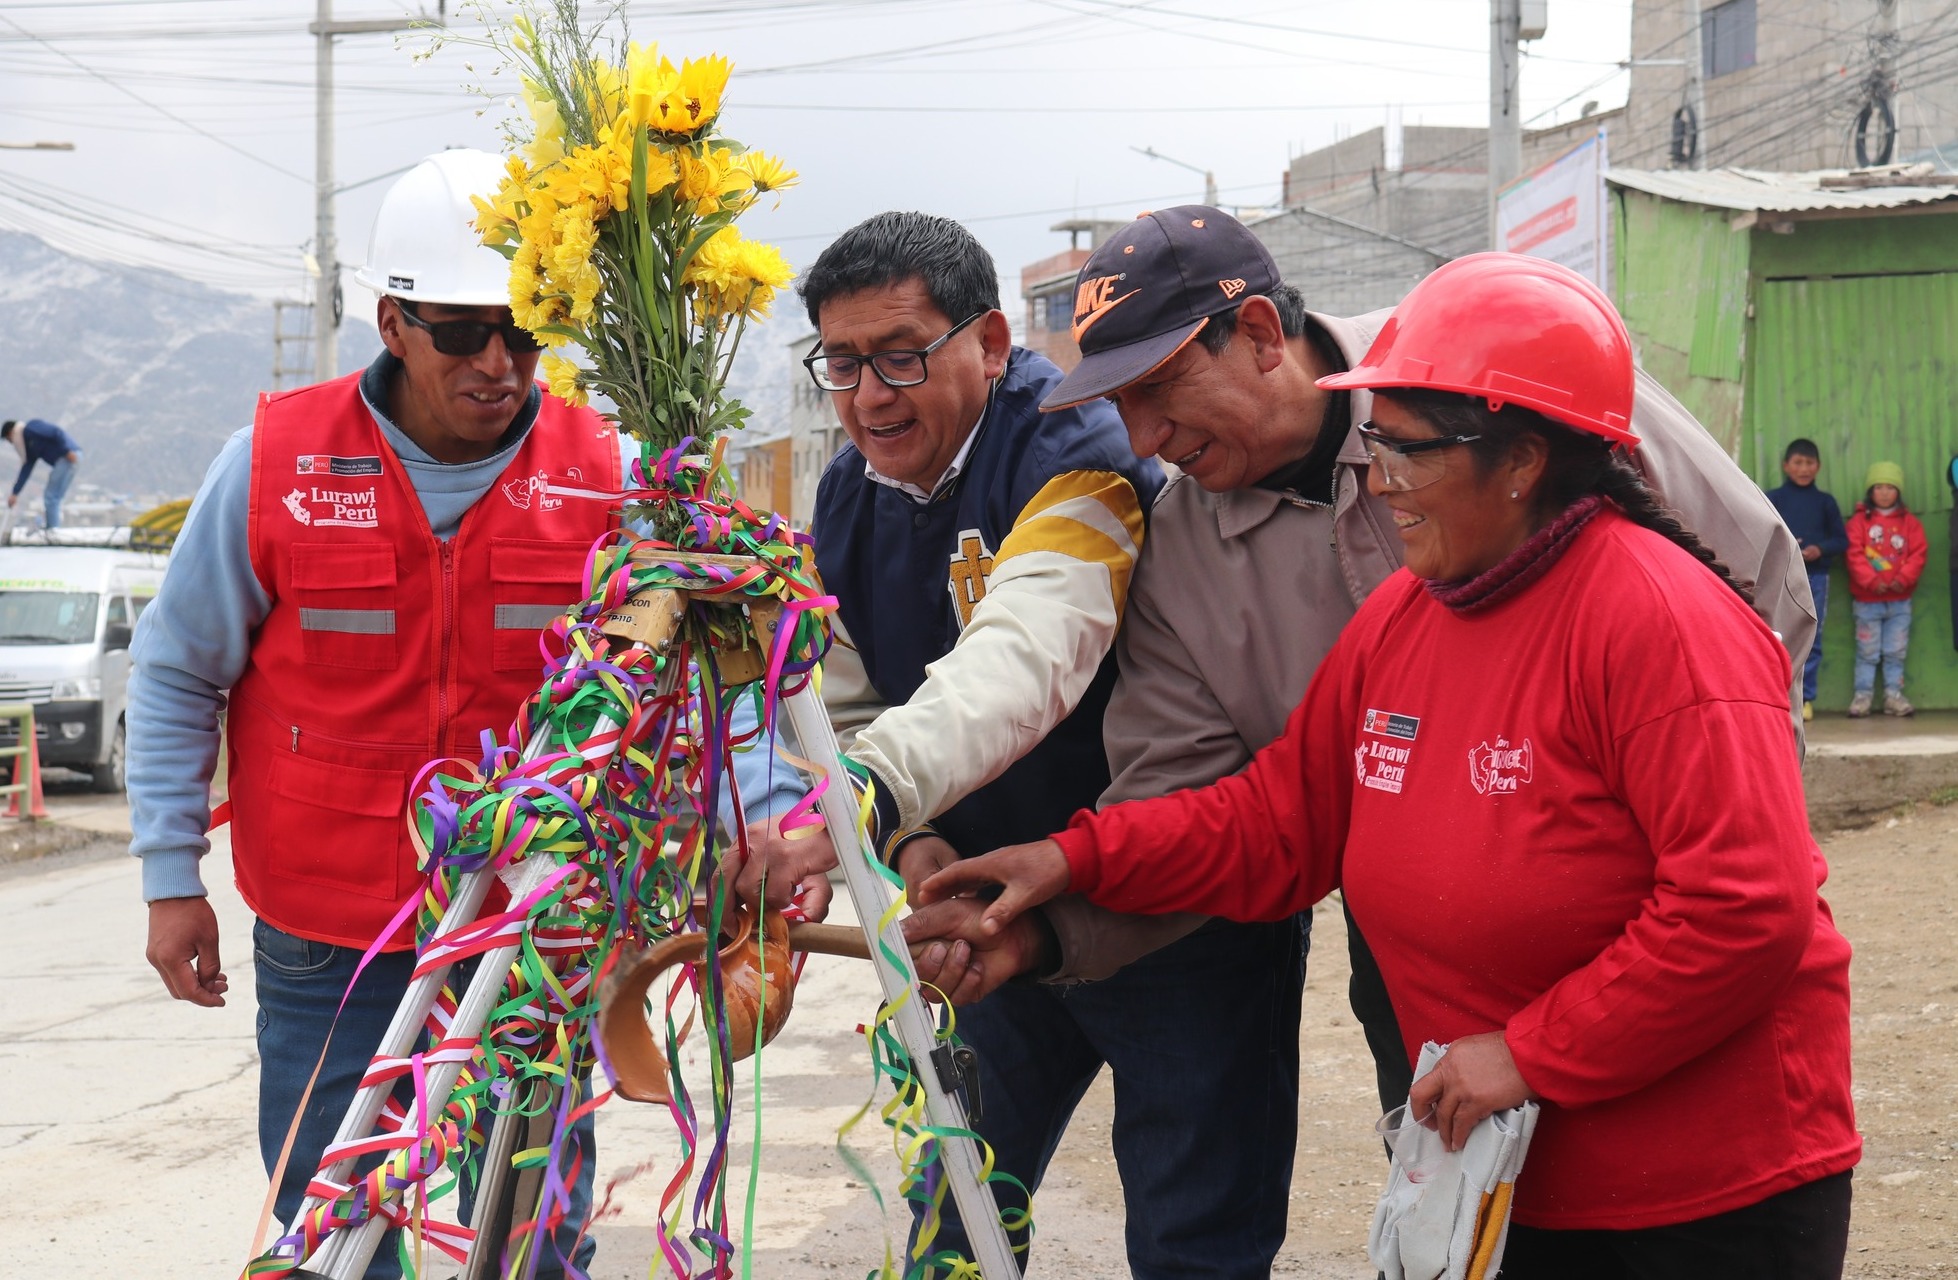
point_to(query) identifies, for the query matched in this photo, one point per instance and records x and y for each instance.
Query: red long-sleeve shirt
(1575, 817)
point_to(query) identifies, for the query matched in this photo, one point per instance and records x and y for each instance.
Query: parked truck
(66, 618)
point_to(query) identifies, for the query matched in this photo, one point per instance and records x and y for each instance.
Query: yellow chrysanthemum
(576, 232)
(523, 280)
(561, 375)
(767, 172)
(571, 271)
(735, 276)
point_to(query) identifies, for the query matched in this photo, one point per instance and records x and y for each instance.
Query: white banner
(1558, 212)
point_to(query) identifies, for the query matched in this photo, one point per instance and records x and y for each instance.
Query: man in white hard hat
(361, 586)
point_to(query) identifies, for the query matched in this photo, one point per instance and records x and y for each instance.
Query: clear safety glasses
(1409, 464)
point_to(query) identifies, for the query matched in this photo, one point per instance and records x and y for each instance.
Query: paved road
(127, 1137)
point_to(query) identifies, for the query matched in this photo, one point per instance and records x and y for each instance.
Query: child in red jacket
(1886, 557)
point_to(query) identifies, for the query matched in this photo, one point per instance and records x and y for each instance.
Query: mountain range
(151, 372)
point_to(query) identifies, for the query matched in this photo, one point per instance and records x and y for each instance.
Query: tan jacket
(1240, 595)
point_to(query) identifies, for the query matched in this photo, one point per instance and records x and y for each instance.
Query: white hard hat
(424, 246)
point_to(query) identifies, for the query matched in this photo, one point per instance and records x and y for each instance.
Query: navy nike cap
(1150, 288)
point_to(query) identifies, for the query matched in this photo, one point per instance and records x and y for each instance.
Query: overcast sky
(193, 120)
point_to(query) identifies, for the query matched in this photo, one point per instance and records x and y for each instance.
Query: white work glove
(1445, 1215)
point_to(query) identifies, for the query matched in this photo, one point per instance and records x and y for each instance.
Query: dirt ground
(1893, 888)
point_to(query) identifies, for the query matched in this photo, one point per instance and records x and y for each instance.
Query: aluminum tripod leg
(406, 1026)
(346, 1253)
(507, 1195)
(959, 1157)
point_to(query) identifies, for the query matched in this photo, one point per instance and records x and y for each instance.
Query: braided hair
(1579, 463)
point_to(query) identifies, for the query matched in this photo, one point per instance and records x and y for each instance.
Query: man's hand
(1028, 875)
(1811, 554)
(183, 948)
(920, 858)
(12, 498)
(800, 860)
(1476, 1078)
(964, 963)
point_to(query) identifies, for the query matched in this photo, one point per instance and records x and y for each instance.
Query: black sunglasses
(468, 337)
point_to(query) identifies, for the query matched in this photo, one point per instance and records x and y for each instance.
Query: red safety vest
(386, 647)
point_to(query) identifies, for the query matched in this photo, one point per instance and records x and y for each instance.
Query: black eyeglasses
(468, 337)
(1409, 464)
(903, 368)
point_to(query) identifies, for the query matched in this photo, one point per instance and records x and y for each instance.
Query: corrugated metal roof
(1755, 189)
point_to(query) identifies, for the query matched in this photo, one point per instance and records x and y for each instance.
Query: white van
(66, 617)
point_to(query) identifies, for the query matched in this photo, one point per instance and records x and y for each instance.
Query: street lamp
(37, 146)
(1209, 179)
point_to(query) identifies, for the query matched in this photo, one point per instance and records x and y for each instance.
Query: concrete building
(1367, 217)
(1787, 85)
(815, 433)
(1792, 84)
(761, 464)
(1047, 289)
(778, 466)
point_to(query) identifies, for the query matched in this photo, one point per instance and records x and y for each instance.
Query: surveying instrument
(508, 1196)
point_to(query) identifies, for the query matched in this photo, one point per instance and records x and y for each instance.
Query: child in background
(1886, 557)
(1951, 479)
(1816, 521)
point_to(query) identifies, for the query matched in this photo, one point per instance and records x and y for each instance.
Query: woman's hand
(1476, 1078)
(1028, 875)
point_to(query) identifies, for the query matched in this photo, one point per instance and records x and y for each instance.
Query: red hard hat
(1514, 330)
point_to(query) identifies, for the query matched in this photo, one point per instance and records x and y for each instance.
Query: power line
(162, 111)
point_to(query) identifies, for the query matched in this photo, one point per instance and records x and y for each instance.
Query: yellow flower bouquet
(618, 216)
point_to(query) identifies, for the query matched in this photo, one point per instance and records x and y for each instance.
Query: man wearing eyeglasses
(1269, 539)
(359, 587)
(981, 553)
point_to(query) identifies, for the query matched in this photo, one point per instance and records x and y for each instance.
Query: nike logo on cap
(1092, 302)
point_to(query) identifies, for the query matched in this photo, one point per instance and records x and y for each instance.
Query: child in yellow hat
(1886, 557)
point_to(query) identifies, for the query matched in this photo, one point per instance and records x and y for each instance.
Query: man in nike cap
(1268, 540)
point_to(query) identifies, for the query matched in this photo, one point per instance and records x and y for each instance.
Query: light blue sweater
(193, 642)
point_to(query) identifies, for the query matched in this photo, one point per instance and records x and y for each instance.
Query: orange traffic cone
(30, 760)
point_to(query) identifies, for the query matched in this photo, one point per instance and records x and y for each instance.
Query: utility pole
(1696, 80)
(1505, 112)
(326, 250)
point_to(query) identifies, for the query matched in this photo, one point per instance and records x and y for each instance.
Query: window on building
(1058, 313)
(1727, 38)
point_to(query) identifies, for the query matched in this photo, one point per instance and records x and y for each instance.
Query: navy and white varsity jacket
(973, 659)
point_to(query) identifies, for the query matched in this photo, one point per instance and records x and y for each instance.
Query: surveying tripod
(509, 1196)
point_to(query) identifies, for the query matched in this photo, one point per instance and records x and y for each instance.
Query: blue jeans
(300, 983)
(1882, 632)
(60, 476)
(1203, 1040)
(1818, 587)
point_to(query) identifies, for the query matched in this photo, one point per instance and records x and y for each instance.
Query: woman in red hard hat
(1551, 767)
